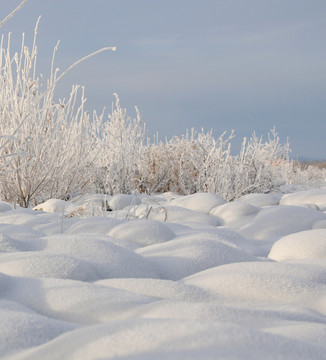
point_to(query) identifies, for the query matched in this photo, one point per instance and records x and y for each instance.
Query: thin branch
(13, 13)
(112, 48)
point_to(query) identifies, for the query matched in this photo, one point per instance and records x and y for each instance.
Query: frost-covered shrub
(155, 171)
(45, 145)
(306, 176)
(184, 164)
(261, 166)
(200, 157)
(119, 148)
(197, 162)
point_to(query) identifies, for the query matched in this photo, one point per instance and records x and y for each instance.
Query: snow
(261, 200)
(165, 277)
(277, 221)
(4, 206)
(171, 213)
(55, 205)
(184, 256)
(143, 232)
(309, 244)
(203, 202)
(263, 282)
(120, 201)
(311, 196)
(93, 226)
(235, 214)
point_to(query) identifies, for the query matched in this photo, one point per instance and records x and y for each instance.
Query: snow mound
(22, 328)
(93, 226)
(4, 206)
(91, 200)
(203, 202)
(41, 265)
(185, 256)
(72, 301)
(312, 196)
(55, 205)
(142, 232)
(264, 282)
(222, 235)
(20, 232)
(312, 333)
(57, 224)
(173, 214)
(120, 201)
(261, 200)
(278, 221)
(157, 288)
(107, 260)
(7, 244)
(23, 216)
(261, 317)
(310, 244)
(172, 339)
(235, 213)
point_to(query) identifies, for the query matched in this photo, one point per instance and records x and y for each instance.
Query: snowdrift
(165, 277)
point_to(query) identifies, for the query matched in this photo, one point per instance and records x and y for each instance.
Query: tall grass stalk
(12, 13)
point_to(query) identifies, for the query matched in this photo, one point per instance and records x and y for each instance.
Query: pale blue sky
(247, 65)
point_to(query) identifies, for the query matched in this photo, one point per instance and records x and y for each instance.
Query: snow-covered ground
(165, 277)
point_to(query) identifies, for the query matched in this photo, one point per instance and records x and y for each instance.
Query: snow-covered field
(165, 277)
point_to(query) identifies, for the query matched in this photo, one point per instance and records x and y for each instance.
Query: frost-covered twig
(13, 13)
(112, 48)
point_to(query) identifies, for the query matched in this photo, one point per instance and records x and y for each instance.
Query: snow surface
(165, 277)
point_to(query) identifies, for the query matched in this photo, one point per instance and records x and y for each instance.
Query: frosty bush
(197, 162)
(119, 150)
(306, 176)
(155, 169)
(261, 166)
(45, 145)
(184, 164)
(40, 130)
